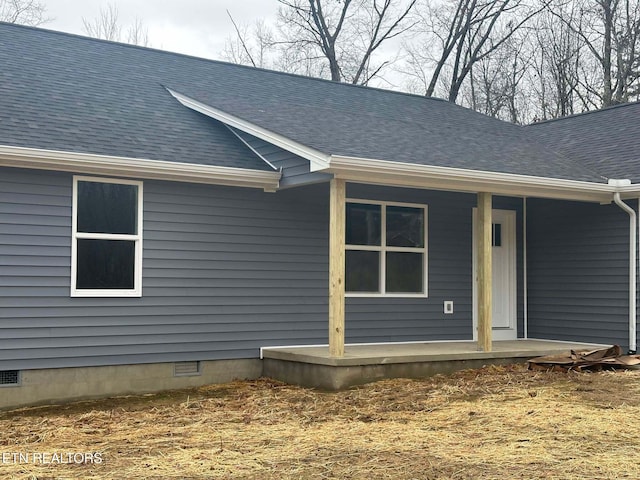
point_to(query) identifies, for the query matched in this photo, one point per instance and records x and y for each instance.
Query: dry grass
(494, 423)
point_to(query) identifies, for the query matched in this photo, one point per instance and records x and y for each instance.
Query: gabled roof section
(606, 141)
(60, 92)
(318, 159)
(351, 121)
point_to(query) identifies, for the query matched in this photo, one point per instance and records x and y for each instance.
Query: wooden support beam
(484, 226)
(337, 222)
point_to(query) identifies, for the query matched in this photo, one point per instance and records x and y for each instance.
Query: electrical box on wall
(448, 306)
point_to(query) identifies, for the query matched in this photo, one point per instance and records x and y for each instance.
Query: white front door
(503, 254)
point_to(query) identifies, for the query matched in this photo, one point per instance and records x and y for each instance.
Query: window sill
(106, 293)
(386, 295)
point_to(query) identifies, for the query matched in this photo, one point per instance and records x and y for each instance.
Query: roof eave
(629, 191)
(40, 159)
(463, 180)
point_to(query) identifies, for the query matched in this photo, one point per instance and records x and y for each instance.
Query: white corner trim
(319, 160)
(21, 157)
(458, 179)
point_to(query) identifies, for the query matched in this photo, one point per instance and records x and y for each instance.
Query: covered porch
(568, 250)
(314, 366)
(460, 246)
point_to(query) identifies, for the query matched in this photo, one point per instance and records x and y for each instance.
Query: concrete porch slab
(313, 366)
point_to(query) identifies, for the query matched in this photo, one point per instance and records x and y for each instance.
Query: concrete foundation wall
(329, 377)
(59, 385)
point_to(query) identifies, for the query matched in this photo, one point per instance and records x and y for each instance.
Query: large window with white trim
(386, 249)
(106, 250)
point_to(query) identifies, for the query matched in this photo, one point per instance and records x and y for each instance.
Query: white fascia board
(629, 191)
(318, 160)
(458, 179)
(40, 159)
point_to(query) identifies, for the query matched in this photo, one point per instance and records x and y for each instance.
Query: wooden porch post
(336, 267)
(484, 271)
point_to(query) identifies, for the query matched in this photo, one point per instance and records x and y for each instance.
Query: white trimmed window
(106, 249)
(386, 249)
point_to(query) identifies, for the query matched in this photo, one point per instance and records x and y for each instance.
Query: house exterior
(163, 215)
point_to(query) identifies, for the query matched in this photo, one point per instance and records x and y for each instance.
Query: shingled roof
(606, 141)
(70, 93)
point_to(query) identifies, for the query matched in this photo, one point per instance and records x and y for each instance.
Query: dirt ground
(493, 423)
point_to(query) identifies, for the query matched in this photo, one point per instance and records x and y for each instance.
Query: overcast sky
(194, 27)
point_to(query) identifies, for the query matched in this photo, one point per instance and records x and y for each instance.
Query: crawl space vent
(184, 369)
(9, 377)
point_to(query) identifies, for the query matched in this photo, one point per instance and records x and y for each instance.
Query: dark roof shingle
(64, 92)
(67, 93)
(607, 141)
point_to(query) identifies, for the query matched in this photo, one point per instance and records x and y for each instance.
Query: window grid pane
(404, 272)
(363, 224)
(397, 264)
(362, 271)
(105, 264)
(107, 208)
(404, 227)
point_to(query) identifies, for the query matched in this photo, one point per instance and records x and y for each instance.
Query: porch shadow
(312, 366)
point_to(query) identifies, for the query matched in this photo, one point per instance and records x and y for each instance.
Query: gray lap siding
(449, 273)
(225, 271)
(578, 257)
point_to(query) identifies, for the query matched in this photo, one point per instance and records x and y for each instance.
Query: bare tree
(107, 26)
(558, 66)
(25, 12)
(516, 60)
(464, 32)
(610, 30)
(137, 33)
(579, 56)
(251, 45)
(344, 33)
(258, 45)
(495, 84)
